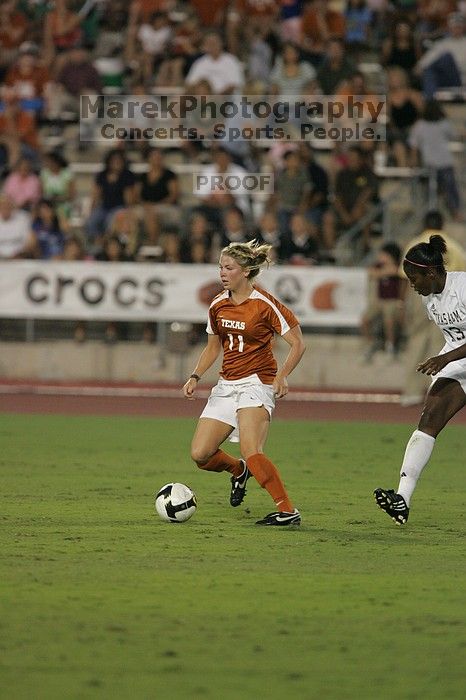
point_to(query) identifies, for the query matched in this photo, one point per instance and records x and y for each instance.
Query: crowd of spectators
(53, 52)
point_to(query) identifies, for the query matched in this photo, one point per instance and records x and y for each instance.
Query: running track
(167, 401)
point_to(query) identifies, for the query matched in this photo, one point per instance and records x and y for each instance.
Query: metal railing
(347, 252)
(425, 196)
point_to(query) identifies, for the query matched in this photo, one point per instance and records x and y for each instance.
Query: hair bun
(437, 243)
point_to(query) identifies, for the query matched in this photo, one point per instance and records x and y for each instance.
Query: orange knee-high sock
(266, 473)
(223, 462)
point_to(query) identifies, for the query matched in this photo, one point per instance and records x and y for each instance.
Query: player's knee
(199, 456)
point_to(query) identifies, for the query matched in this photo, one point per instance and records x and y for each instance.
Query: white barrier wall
(319, 296)
(330, 361)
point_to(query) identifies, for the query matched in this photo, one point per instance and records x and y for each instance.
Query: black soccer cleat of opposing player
(281, 519)
(238, 486)
(393, 504)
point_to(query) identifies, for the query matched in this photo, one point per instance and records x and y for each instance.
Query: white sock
(417, 454)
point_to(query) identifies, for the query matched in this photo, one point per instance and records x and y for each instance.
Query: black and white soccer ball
(175, 503)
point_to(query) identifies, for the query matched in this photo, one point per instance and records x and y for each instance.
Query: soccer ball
(175, 503)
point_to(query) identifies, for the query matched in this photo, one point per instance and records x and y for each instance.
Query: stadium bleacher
(116, 58)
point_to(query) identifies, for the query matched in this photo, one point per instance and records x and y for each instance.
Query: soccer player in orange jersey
(242, 322)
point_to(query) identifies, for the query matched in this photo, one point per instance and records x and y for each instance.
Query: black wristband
(194, 376)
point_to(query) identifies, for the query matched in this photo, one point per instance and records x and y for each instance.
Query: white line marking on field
(173, 393)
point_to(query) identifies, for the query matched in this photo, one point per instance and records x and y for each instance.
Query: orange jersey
(246, 332)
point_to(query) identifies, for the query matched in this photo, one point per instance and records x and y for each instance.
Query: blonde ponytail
(251, 255)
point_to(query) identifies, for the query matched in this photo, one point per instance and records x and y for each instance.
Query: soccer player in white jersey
(444, 294)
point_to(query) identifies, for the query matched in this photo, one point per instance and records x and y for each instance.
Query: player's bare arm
(206, 360)
(294, 338)
(433, 365)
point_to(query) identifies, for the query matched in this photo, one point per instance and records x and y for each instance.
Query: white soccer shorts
(454, 370)
(227, 397)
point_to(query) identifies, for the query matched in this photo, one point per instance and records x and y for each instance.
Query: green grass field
(100, 599)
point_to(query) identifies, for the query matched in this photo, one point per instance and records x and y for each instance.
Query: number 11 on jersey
(231, 338)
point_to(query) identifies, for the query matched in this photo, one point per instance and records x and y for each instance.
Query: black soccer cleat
(393, 504)
(238, 486)
(281, 519)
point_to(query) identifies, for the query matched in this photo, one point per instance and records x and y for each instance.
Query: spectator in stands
(199, 253)
(300, 244)
(401, 49)
(269, 232)
(28, 80)
(127, 224)
(290, 20)
(62, 32)
(58, 185)
(74, 249)
(423, 337)
(292, 189)
(183, 51)
(153, 37)
(337, 159)
(198, 230)
(142, 10)
(234, 227)
(262, 49)
(318, 196)
(214, 197)
(13, 30)
(444, 65)
(241, 152)
(113, 250)
(319, 24)
(46, 227)
(113, 32)
(114, 188)
(196, 149)
(404, 107)
(248, 18)
(291, 75)
(382, 18)
(384, 311)
(137, 91)
(212, 13)
(356, 188)
(335, 69)
(18, 134)
(429, 137)
(358, 18)
(223, 70)
(369, 147)
(158, 190)
(23, 185)
(171, 245)
(16, 237)
(356, 86)
(76, 77)
(276, 154)
(111, 70)
(431, 18)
